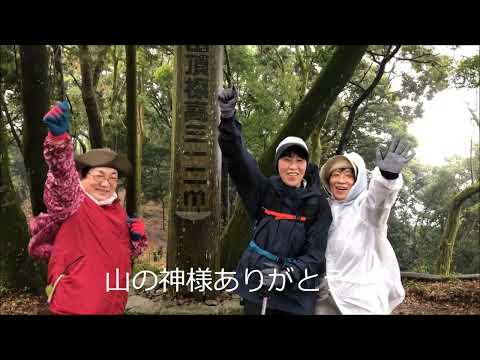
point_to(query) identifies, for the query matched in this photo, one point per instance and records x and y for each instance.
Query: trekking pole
(264, 296)
(264, 305)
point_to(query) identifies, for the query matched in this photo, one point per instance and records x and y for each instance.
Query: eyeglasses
(101, 178)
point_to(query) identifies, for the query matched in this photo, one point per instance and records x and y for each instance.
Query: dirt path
(459, 297)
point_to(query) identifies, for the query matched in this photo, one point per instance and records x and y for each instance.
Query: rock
(211, 302)
(150, 281)
(140, 305)
(159, 292)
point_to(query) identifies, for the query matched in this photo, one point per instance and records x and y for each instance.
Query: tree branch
(418, 61)
(357, 85)
(10, 122)
(305, 72)
(282, 65)
(168, 49)
(351, 117)
(229, 71)
(99, 63)
(76, 82)
(82, 145)
(16, 61)
(365, 74)
(157, 106)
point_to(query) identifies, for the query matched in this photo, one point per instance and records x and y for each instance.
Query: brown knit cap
(104, 158)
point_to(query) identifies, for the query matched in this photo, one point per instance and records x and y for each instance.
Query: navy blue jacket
(306, 244)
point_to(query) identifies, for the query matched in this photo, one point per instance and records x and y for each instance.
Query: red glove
(137, 228)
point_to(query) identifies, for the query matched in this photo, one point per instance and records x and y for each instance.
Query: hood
(360, 182)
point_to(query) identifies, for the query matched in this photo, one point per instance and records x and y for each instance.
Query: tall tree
(34, 65)
(451, 228)
(17, 270)
(89, 98)
(4, 107)
(99, 65)
(309, 114)
(134, 134)
(225, 180)
(59, 84)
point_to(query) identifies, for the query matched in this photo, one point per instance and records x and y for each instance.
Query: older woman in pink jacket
(86, 234)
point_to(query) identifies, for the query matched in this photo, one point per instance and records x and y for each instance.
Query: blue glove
(58, 119)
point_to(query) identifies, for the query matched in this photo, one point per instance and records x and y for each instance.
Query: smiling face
(291, 168)
(341, 181)
(100, 182)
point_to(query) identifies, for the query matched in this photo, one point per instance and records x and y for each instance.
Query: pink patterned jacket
(62, 197)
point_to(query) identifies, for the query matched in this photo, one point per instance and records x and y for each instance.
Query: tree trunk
(163, 213)
(225, 193)
(451, 228)
(432, 277)
(309, 114)
(59, 85)
(17, 269)
(34, 64)
(228, 73)
(115, 80)
(134, 135)
(316, 148)
(89, 99)
(304, 71)
(99, 64)
(3, 107)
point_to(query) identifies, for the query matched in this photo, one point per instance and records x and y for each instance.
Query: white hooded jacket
(363, 274)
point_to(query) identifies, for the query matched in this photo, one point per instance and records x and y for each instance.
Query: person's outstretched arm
(242, 166)
(62, 188)
(386, 183)
(62, 193)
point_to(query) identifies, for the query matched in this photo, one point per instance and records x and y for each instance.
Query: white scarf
(108, 201)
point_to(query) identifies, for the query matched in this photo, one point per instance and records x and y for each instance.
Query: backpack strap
(271, 206)
(284, 216)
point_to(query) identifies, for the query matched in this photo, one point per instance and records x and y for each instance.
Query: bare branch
(16, 61)
(366, 72)
(372, 54)
(159, 109)
(278, 59)
(330, 138)
(351, 117)
(228, 74)
(168, 49)
(82, 144)
(10, 122)
(415, 60)
(357, 85)
(76, 82)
